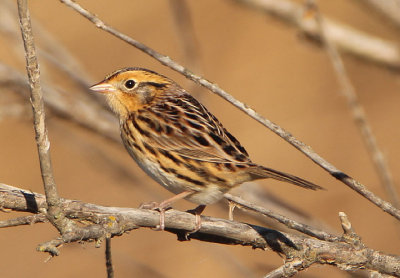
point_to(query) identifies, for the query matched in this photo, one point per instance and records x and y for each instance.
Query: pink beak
(103, 88)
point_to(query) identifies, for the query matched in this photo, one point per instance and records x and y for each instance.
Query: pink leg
(197, 212)
(163, 206)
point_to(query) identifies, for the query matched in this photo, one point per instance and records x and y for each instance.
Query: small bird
(178, 142)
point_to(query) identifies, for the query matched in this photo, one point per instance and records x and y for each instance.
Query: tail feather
(261, 172)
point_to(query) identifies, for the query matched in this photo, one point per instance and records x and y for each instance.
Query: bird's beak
(103, 87)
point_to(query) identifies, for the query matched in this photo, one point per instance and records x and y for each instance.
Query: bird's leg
(197, 212)
(163, 206)
(232, 206)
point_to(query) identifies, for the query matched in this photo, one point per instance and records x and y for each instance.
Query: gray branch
(347, 253)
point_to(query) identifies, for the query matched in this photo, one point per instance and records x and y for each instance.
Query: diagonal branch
(307, 150)
(360, 118)
(291, 224)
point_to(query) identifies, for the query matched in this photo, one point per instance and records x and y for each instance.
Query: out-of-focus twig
(355, 106)
(80, 108)
(186, 33)
(389, 8)
(167, 61)
(344, 37)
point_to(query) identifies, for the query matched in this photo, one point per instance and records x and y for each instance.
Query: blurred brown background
(259, 60)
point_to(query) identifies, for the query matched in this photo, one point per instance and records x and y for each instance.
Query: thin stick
(291, 224)
(165, 60)
(184, 25)
(110, 270)
(55, 213)
(356, 108)
(287, 270)
(388, 8)
(24, 220)
(42, 140)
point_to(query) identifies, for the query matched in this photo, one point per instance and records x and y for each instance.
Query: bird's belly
(208, 194)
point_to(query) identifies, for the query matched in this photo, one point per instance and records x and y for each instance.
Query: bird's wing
(183, 126)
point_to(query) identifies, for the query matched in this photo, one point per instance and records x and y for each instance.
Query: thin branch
(165, 60)
(287, 270)
(291, 224)
(110, 270)
(115, 221)
(24, 220)
(344, 37)
(356, 108)
(42, 140)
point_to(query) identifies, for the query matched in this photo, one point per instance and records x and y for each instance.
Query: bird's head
(130, 89)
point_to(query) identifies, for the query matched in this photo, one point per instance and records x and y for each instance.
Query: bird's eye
(130, 84)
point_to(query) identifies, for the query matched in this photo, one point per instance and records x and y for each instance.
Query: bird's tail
(261, 172)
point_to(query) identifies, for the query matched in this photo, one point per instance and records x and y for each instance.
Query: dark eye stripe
(155, 84)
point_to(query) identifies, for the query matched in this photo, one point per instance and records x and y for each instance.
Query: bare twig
(24, 220)
(115, 221)
(110, 270)
(291, 224)
(356, 108)
(43, 144)
(165, 60)
(344, 37)
(287, 270)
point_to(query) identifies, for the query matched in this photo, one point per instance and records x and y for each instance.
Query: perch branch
(165, 60)
(116, 221)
